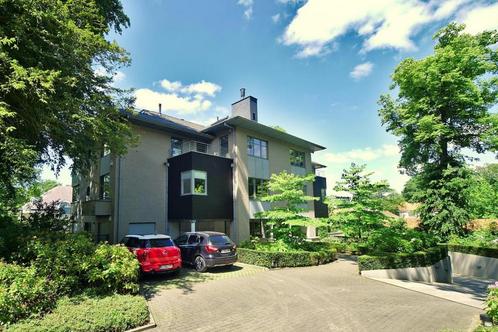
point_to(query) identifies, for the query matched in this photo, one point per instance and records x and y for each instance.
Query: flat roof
(239, 121)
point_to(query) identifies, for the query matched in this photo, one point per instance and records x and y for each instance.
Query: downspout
(118, 199)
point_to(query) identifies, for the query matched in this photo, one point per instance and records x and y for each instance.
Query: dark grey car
(206, 249)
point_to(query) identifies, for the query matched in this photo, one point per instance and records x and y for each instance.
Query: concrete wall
(278, 160)
(143, 182)
(439, 272)
(474, 266)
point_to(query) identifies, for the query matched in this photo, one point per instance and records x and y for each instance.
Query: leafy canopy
(53, 100)
(364, 212)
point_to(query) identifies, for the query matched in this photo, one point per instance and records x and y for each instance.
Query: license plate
(165, 267)
(225, 251)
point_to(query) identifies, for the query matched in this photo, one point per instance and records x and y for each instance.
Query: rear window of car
(158, 243)
(220, 239)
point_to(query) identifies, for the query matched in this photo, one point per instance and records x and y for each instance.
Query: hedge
(479, 251)
(285, 259)
(90, 314)
(402, 260)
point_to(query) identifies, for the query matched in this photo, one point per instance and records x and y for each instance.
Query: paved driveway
(330, 297)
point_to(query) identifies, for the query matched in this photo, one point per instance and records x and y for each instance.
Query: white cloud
(276, 18)
(361, 155)
(199, 88)
(480, 18)
(171, 86)
(247, 4)
(382, 23)
(361, 70)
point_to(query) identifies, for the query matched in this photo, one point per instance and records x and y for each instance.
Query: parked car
(156, 253)
(206, 249)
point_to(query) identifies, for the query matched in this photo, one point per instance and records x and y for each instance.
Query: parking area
(330, 297)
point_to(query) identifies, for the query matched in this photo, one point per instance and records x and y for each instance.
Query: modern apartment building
(183, 176)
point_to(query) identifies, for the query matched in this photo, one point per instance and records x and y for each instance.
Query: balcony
(93, 208)
(196, 146)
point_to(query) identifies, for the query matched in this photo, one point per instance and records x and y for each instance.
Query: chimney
(160, 106)
(246, 107)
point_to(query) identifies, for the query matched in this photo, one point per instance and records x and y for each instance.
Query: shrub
(285, 259)
(478, 238)
(492, 303)
(23, 293)
(402, 260)
(473, 250)
(86, 314)
(398, 240)
(113, 269)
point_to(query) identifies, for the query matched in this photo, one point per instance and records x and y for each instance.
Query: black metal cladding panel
(321, 209)
(217, 204)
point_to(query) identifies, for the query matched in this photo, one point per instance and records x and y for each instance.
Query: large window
(224, 146)
(105, 187)
(257, 147)
(257, 187)
(176, 146)
(76, 193)
(297, 158)
(194, 183)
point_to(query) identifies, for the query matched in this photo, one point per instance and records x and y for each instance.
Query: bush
(473, 250)
(113, 269)
(285, 259)
(402, 260)
(478, 238)
(396, 240)
(86, 314)
(492, 303)
(23, 293)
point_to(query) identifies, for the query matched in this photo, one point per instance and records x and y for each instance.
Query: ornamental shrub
(90, 314)
(273, 259)
(402, 260)
(113, 268)
(492, 303)
(23, 293)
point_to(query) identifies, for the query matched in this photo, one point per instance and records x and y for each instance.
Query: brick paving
(330, 297)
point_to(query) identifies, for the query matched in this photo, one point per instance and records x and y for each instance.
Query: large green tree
(442, 107)
(56, 93)
(364, 212)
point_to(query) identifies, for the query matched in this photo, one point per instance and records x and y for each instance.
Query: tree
(364, 212)
(443, 106)
(286, 193)
(56, 92)
(412, 190)
(483, 192)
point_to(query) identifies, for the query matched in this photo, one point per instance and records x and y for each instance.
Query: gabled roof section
(257, 127)
(168, 123)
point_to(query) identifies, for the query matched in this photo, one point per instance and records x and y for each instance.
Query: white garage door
(142, 228)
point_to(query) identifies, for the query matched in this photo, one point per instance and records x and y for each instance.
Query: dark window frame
(297, 158)
(257, 147)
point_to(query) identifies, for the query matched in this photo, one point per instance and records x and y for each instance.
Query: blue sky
(316, 67)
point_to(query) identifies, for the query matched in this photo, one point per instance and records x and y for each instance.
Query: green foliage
(285, 192)
(413, 189)
(392, 240)
(492, 303)
(402, 260)
(443, 106)
(23, 293)
(479, 238)
(362, 214)
(54, 99)
(483, 192)
(273, 259)
(113, 269)
(474, 250)
(90, 314)
(445, 208)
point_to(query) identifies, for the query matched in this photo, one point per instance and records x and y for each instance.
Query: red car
(156, 253)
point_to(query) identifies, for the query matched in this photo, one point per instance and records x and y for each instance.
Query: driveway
(330, 297)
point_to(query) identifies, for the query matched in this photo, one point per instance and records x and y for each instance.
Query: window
(220, 240)
(76, 193)
(257, 147)
(323, 194)
(194, 183)
(253, 116)
(201, 147)
(158, 243)
(87, 197)
(105, 151)
(193, 239)
(257, 187)
(181, 240)
(176, 146)
(224, 145)
(297, 158)
(105, 187)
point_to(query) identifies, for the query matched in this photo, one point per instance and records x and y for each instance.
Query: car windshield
(158, 243)
(220, 239)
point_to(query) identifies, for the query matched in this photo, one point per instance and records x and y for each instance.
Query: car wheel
(200, 264)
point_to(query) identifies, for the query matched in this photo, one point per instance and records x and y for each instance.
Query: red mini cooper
(156, 253)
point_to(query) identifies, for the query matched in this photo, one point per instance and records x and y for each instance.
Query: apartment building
(183, 176)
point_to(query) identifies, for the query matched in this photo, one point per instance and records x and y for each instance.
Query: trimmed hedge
(87, 314)
(479, 251)
(285, 259)
(402, 260)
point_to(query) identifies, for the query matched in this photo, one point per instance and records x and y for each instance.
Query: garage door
(142, 228)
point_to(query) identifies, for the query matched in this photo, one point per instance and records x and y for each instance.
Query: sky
(317, 67)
